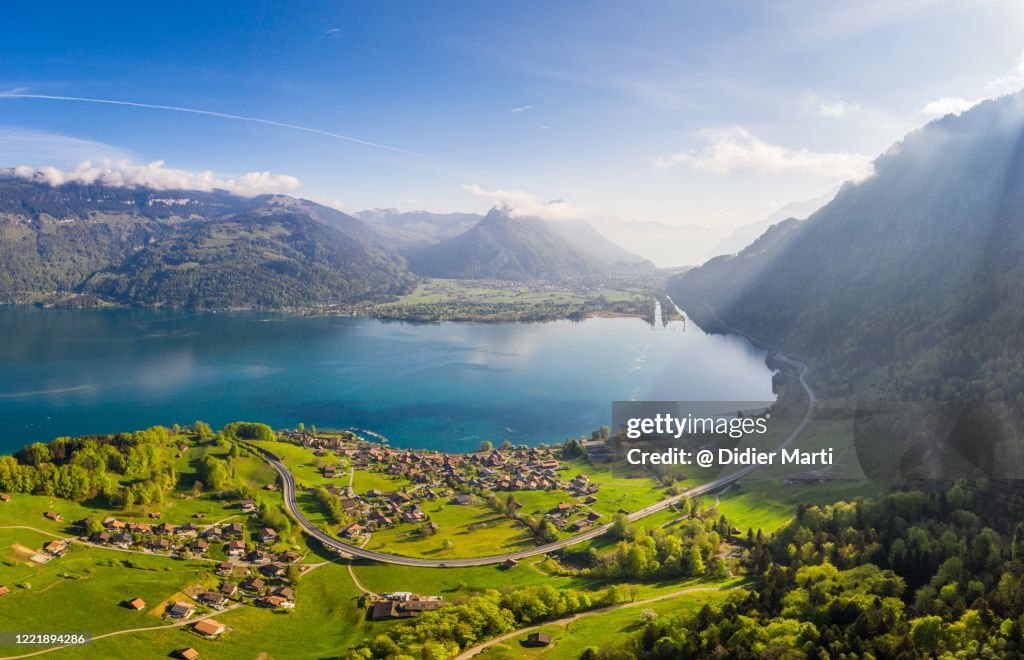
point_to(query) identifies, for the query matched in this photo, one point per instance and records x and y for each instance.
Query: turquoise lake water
(441, 386)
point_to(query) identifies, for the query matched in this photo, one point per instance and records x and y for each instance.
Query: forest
(122, 469)
(915, 573)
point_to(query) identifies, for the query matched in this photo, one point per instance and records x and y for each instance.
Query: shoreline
(309, 312)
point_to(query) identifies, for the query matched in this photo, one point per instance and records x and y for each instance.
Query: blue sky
(711, 113)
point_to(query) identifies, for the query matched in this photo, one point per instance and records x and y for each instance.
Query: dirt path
(352, 573)
(34, 529)
(179, 624)
(475, 650)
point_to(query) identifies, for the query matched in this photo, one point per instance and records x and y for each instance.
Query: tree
(695, 562)
(620, 526)
(486, 445)
(214, 472)
(926, 633)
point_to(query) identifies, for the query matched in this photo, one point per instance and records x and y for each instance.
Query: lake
(440, 386)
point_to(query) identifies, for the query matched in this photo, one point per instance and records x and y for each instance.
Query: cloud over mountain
(737, 148)
(126, 174)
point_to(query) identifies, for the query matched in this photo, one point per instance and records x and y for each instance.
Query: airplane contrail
(226, 115)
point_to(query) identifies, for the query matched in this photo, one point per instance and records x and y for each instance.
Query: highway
(289, 492)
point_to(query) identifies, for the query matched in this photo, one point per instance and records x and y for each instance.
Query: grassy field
(599, 630)
(451, 583)
(303, 464)
(472, 530)
(467, 300)
(367, 480)
(619, 490)
(84, 590)
(326, 620)
(448, 291)
(769, 504)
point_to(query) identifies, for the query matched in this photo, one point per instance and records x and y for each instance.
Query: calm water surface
(446, 386)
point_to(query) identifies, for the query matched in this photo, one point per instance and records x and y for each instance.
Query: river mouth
(441, 386)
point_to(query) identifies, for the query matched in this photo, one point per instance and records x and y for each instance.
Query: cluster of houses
(401, 605)
(512, 469)
(189, 538)
(503, 469)
(437, 475)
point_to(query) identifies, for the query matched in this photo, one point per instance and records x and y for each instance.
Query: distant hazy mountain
(412, 229)
(592, 243)
(667, 245)
(911, 281)
(743, 236)
(505, 247)
(186, 248)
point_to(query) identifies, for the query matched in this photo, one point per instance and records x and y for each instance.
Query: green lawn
(367, 480)
(473, 530)
(600, 630)
(453, 582)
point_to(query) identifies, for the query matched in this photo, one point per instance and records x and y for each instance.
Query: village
(236, 560)
(454, 479)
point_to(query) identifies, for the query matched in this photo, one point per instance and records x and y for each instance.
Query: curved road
(289, 492)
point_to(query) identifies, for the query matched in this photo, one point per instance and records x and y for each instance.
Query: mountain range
(909, 283)
(214, 250)
(503, 247)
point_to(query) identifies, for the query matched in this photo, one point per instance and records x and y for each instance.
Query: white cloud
(1012, 81)
(738, 149)
(523, 204)
(948, 105)
(126, 174)
(522, 108)
(833, 109)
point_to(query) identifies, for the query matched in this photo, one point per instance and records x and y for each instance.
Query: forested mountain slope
(910, 282)
(186, 248)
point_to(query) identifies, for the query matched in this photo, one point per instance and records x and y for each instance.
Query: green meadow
(599, 630)
(473, 530)
(326, 619)
(89, 584)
